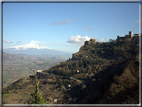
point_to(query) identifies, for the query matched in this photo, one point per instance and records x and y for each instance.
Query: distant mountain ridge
(10, 59)
(34, 49)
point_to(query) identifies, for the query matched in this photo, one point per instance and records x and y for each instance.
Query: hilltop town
(129, 37)
(92, 42)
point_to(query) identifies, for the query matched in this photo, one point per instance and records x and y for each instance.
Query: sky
(65, 26)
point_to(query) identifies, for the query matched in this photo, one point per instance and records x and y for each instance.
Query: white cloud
(78, 39)
(33, 42)
(37, 42)
(7, 41)
(102, 40)
(62, 22)
(86, 28)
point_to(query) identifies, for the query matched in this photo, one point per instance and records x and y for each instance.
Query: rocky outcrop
(91, 41)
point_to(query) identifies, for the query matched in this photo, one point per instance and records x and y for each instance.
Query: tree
(67, 68)
(38, 99)
(81, 64)
(89, 69)
(110, 40)
(62, 64)
(99, 69)
(60, 84)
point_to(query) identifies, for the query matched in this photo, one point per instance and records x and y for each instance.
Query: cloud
(78, 39)
(7, 42)
(32, 42)
(18, 42)
(102, 40)
(62, 22)
(36, 42)
(86, 28)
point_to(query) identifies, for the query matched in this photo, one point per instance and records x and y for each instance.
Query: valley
(18, 66)
(100, 73)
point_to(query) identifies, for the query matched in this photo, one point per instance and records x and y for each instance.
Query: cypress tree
(38, 99)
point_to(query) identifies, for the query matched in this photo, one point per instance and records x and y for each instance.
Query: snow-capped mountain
(29, 46)
(34, 49)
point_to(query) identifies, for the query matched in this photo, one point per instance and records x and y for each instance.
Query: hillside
(16, 66)
(100, 73)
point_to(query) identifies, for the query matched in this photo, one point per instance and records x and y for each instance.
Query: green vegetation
(99, 73)
(38, 99)
(7, 95)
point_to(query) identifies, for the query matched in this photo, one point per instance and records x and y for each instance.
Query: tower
(130, 34)
(117, 36)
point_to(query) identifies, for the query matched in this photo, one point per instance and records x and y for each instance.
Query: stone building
(128, 37)
(130, 34)
(77, 71)
(120, 38)
(55, 100)
(41, 73)
(39, 70)
(136, 37)
(86, 42)
(91, 41)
